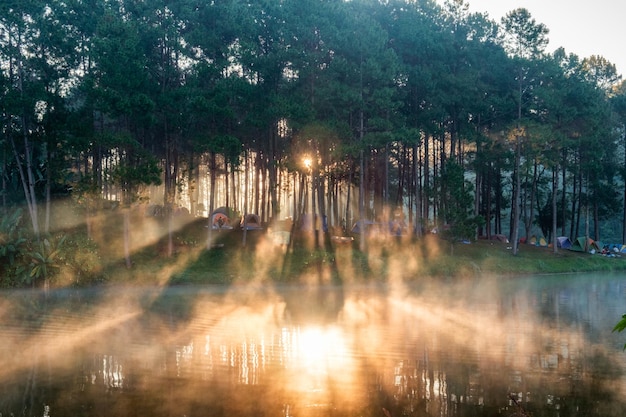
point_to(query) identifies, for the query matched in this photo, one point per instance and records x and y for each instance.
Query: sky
(582, 27)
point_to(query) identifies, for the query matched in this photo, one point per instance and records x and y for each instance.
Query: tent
(502, 238)
(363, 226)
(220, 221)
(251, 222)
(579, 245)
(221, 218)
(614, 247)
(534, 240)
(563, 242)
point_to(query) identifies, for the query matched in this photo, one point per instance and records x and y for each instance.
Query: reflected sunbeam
(447, 350)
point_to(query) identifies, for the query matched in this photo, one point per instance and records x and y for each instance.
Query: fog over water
(468, 348)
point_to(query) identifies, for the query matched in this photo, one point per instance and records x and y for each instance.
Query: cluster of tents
(583, 244)
(395, 227)
(224, 218)
(580, 244)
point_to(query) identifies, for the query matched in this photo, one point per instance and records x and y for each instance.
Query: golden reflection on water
(311, 360)
(427, 351)
(419, 348)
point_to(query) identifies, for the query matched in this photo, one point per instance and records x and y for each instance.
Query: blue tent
(363, 226)
(563, 242)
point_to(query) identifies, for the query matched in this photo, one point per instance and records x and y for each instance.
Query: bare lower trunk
(516, 199)
(127, 237)
(554, 213)
(212, 174)
(27, 179)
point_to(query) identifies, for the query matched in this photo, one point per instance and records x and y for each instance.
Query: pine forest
(346, 111)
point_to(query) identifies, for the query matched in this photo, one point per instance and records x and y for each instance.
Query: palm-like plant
(45, 260)
(621, 326)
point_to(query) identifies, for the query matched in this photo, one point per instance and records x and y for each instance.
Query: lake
(540, 346)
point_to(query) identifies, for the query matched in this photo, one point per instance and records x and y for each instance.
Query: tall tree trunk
(555, 179)
(28, 183)
(228, 196)
(314, 211)
(495, 196)
(478, 187)
(596, 221)
(563, 194)
(487, 194)
(171, 207)
(194, 185)
(624, 210)
(167, 192)
(426, 186)
(28, 178)
(517, 168)
(516, 196)
(48, 188)
(411, 183)
(586, 212)
(126, 234)
(274, 188)
(256, 192)
(528, 222)
(245, 198)
(418, 190)
(212, 180)
(573, 229)
(362, 240)
(386, 176)
(579, 204)
(334, 191)
(3, 188)
(347, 219)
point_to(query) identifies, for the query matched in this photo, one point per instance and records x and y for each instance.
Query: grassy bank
(83, 251)
(261, 259)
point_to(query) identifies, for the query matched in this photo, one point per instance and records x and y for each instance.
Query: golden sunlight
(320, 356)
(320, 348)
(308, 162)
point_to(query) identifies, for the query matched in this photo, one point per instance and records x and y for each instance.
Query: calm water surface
(538, 345)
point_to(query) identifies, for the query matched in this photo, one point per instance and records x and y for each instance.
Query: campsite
(282, 252)
(228, 247)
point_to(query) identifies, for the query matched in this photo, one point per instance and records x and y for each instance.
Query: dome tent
(222, 218)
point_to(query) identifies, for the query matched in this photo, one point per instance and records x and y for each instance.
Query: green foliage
(226, 145)
(125, 96)
(13, 246)
(83, 260)
(457, 204)
(11, 240)
(45, 260)
(525, 38)
(136, 167)
(26, 261)
(620, 326)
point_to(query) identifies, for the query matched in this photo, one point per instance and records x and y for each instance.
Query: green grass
(229, 262)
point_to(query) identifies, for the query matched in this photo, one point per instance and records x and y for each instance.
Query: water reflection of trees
(164, 363)
(460, 389)
(242, 380)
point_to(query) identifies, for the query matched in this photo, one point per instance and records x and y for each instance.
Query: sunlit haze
(310, 348)
(271, 343)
